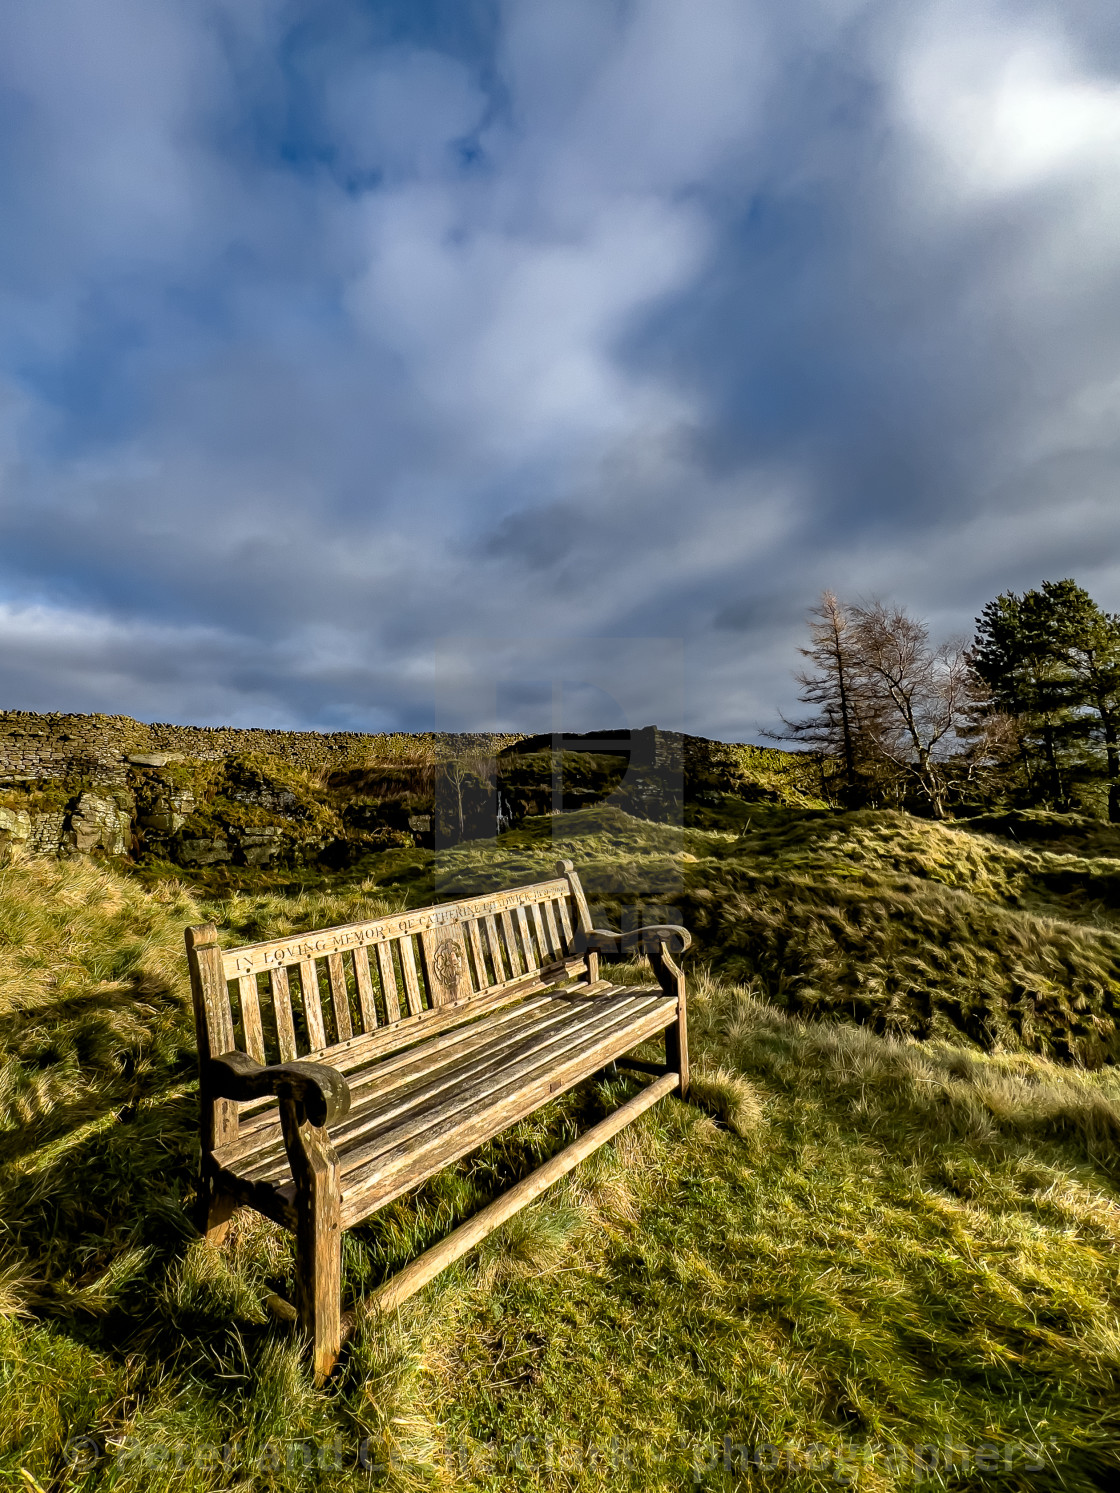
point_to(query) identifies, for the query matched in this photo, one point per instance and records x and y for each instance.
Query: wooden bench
(341, 1068)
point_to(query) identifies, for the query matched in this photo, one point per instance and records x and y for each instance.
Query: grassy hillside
(858, 1253)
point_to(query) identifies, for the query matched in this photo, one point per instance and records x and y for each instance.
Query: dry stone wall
(72, 783)
(101, 747)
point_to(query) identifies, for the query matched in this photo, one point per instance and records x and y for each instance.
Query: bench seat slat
(430, 1098)
(364, 1071)
(412, 1030)
(479, 1117)
(551, 1025)
(421, 1094)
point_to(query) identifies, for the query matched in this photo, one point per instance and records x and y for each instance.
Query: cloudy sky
(364, 365)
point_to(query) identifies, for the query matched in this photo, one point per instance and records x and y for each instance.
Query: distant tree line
(1027, 713)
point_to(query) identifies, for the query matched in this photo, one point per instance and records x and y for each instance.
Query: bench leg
(318, 1248)
(676, 1045)
(671, 979)
(215, 1212)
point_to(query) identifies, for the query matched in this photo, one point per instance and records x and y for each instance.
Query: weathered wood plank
(521, 921)
(513, 953)
(365, 989)
(312, 1006)
(481, 979)
(543, 950)
(340, 1001)
(252, 958)
(415, 1083)
(445, 964)
(556, 944)
(407, 1118)
(393, 1173)
(499, 951)
(282, 1011)
(408, 973)
(251, 1016)
(280, 991)
(387, 974)
(565, 922)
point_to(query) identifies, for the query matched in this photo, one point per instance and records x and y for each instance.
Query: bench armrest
(319, 1088)
(648, 939)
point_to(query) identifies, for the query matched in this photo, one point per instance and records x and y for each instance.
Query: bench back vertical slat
(409, 975)
(251, 1028)
(213, 1016)
(545, 953)
(556, 945)
(528, 953)
(366, 1000)
(565, 921)
(312, 1004)
(508, 956)
(388, 978)
(494, 944)
(481, 979)
(446, 967)
(340, 998)
(282, 1012)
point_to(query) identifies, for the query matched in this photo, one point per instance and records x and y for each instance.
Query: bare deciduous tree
(919, 695)
(897, 714)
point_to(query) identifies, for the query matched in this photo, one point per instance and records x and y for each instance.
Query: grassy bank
(859, 1253)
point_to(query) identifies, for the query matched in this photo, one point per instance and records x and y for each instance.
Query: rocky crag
(209, 796)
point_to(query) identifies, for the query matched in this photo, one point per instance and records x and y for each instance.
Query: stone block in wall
(15, 825)
(99, 823)
(203, 852)
(257, 847)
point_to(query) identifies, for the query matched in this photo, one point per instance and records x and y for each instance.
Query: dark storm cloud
(332, 335)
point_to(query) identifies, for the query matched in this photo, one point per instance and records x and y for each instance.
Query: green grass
(863, 1244)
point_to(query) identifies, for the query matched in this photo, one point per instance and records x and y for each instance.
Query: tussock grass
(729, 1096)
(907, 926)
(879, 1243)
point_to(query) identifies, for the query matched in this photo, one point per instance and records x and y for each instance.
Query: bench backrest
(311, 992)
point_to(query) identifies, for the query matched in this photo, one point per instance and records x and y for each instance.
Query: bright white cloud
(1004, 107)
